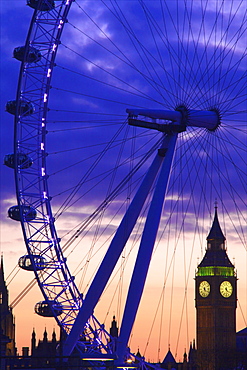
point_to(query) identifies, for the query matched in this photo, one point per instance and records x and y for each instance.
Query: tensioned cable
(174, 56)
(168, 46)
(215, 188)
(151, 30)
(117, 142)
(232, 113)
(181, 195)
(98, 97)
(109, 190)
(90, 170)
(129, 63)
(198, 72)
(146, 57)
(116, 191)
(135, 240)
(68, 200)
(241, 152)
(184, 217)
(128, 202)
(186, 71)
(77, 233)
(137, 93)
(102, 176)
(162, 298)
(206, 172)
(146, 52)
(102, 232)
(233, 49)
(186, 282)
(238, 95)
(208, 63)
(223, 175)
(104, 123)
(86, 112)
(190, 63)
(240, 215)
(181, 231)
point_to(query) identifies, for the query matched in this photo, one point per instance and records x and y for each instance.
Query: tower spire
(1, 270)
(216, 255)
(7, 322)
(4, 300)
(216, 238)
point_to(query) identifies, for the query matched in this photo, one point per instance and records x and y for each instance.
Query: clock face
(204, 288)
(226, 289)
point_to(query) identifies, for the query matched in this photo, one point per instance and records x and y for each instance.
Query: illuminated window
(215, 270)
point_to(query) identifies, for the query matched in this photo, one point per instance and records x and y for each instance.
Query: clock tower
(216, 302)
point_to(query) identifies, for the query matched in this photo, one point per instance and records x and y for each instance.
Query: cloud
(129, 56)
(84, 103)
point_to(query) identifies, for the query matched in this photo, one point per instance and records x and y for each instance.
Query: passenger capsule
(31, 56)
(28, 212)
(26, 263)
(23, 160)
(48, 308)
(44, 5)
(26, 108)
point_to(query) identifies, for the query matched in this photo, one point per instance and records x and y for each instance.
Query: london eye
(130, 120)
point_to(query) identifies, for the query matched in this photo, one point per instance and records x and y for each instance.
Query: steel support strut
(146, 248)
(112, 255)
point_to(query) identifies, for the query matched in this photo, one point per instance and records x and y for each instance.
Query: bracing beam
(112, 255)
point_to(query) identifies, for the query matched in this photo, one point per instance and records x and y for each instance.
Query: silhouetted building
(114, 334)
(7, 329)
(114, 328)
(192, 355)
(242, 349)
(46, 350)
(169, 361)
(216, 302)
(219, 347)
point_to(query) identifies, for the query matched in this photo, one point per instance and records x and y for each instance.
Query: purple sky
(138, 54)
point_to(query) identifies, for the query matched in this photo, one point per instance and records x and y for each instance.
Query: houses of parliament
(217, 345)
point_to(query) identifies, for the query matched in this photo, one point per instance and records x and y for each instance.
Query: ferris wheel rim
(29, 217)
(45, 190)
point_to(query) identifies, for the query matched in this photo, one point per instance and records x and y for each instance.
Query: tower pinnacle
(216, 238)
(215, 258)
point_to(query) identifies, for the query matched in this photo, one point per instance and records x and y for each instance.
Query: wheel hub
(180, 118)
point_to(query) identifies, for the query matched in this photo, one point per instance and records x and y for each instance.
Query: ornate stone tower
(216, 302)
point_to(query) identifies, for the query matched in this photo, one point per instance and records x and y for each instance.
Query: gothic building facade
(218, 346)
(216, 303)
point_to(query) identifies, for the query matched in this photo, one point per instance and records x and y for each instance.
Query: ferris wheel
(134, 121)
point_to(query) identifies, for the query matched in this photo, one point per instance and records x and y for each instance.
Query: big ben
(216, 302)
